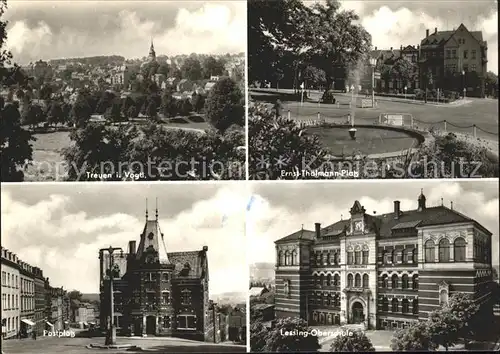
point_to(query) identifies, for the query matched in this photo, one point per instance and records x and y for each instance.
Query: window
(414, 255)
(8, 301)
(330, 258)
(444, 250)
(394, 281)
(466, 67)
(430, 251)
(329, 280)
(357, 257)
(405, 282)
(350, 257)
(414, 282)
(385, 283)
(288, 258)
(321, 279)
(365, 281)
(473, 67)
(385, 304)
(295, 258)
(3, 278)
(166, 322)
(322, 259)
(336, 258)
(454, 53)
(336, 280)
(185, 297)
(415, 306)
(405, 306)
(350, 280)
(365, 257)
(448, 54)
(466, 52)
(186, 322)
(394, 305)
(473, 54)
(459, 250)
(165, 276)
(281, 258)
(165, 297)
(357, 281)
(287, 287)
(443, 297)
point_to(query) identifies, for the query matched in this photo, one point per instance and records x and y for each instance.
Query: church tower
(152, 53)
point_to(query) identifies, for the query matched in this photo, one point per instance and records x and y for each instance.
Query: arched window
(336, 258)
(393, 256)
(404, 282)
(430, 256)
(414, 255)
(385, 282)
(281, 258)
(350, 257)
(405, 306)
(415, 307)
(365, 280)
(444, 250)
(286, 285)
(459, 250)
(407, 256)
(329, 279)
(414, 281)
(357, 257)
(357, 281)
(385, 304)
(365, 257)
(295, 259)
(287, 258)
(394, 305)
(350, 281)
(330, 258)
(323, 259)
(336, 280)
(322, 279)
(394, 281)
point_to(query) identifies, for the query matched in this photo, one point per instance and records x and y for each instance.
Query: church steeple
(152, 53)
(152, 245)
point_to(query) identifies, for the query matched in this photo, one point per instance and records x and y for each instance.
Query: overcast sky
(279, 210)
(69, 28)
(60, 228)
(396, 23)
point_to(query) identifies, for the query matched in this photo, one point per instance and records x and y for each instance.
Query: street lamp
(111, 333)
(373, 63)
(463, 80)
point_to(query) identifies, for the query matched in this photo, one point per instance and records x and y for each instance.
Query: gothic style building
(383, 271)
(155, 292)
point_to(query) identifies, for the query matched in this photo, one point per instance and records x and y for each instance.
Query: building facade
(454, 60)
(155, 292)
(11, 293)
(40, 301)
(27, 298)
(56, 320)
(383, 271)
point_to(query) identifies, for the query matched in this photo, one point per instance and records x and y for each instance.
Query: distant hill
(262, 271)
(231, 298)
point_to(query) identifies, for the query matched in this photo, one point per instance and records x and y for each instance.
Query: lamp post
(373, 63)
(111, 333)
(463, 80)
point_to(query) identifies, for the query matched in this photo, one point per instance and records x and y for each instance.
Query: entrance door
(357, 313)
(151, 325)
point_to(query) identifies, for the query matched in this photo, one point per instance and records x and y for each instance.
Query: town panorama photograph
(163, 275)
(374, 267)
(372, 89)
(122, 90)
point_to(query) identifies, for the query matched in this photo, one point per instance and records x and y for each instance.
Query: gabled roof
(152, 241)
(444, 36)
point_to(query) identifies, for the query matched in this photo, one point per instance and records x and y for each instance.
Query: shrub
(357, 341)
(328, 97)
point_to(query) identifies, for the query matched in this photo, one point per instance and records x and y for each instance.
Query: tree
(198, 101)
(314, 76)
(151, 110)
(132, 112)
(191, 69)
(33, 115)
(55, 115)
(491, 84)
(164, 69)
(413, 338)
(258, 333)
(355, 341)
(212, 67)
(81, 112)
(278, 143)
(444, 327)
(105, 102)
(114, 112)
(185, 107)
(223, 105)
(403, 70)
(277, 342)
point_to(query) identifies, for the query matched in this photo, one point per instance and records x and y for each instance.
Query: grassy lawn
(368, 141)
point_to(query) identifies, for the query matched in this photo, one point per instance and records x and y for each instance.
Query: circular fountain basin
(369, 140)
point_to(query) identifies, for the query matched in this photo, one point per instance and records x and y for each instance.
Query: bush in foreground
(356, 341)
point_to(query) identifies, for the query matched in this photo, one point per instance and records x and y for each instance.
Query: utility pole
(111, 333)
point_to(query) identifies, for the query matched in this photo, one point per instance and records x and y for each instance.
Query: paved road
(481, 112)
(78, 346)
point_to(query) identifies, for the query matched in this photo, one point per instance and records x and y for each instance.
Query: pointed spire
(442, 201)
(451, 205)
(156, 212)
(146, 209)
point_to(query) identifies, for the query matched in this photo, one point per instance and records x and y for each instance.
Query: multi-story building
(83, 312)
(454, 60)
(27, 298)
(40, 301)
(11, 308)
(55, 321)
(155, 292)
(383, 271)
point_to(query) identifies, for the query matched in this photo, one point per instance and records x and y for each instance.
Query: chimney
(318, 229)
(421, 201)
(426, 33)
(205, 248)
(435, 30)
(374, 212)
(391, 48)
(131, 247)
(397, 209)
(375, 48)
(401, 47)
(451, 205)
